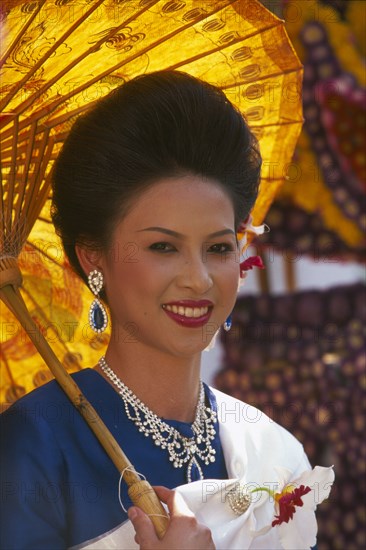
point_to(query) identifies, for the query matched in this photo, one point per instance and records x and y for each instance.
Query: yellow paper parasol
(59, 57)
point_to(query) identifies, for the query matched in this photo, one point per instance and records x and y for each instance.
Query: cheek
(233, 286)
(231, 268)
(139, 277)
(229, 280)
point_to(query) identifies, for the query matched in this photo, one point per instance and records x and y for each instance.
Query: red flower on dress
(287, 500)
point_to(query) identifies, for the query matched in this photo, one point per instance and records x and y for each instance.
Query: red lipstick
(189, 322)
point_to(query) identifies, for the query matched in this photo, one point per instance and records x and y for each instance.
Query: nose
(195, 274)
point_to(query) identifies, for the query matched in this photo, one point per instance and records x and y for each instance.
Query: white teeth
(187, 311)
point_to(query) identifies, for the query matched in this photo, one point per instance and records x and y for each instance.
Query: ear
(89, 258)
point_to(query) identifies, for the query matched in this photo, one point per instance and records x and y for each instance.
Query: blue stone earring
(98, 318)
(228, 323)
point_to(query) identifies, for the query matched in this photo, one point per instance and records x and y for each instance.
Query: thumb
(175, 502)
(144, 528)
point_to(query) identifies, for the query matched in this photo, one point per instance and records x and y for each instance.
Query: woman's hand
(183, 533)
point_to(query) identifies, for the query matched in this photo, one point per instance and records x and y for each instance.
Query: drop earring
(228, 323)
(98, 318)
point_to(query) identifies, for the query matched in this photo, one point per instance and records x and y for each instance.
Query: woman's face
(171, 274)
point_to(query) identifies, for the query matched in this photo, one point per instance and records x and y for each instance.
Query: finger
(174, 501)
(145, 532)
(163, 492)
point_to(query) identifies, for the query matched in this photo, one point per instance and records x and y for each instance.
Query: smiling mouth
(190, 312)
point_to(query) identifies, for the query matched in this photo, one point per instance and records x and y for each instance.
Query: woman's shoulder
(46, 423)
(46, 407)
(51, 392)
(253, 432)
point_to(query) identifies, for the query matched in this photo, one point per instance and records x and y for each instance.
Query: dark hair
(158, 125)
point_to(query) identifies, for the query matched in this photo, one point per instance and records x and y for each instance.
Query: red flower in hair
(249, 263)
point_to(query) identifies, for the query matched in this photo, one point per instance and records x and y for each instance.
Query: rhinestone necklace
(182, 450)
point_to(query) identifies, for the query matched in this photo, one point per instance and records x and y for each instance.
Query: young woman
(149, 191)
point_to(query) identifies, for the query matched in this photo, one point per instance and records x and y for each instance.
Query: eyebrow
(180, 236)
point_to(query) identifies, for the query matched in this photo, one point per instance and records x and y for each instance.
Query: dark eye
(162, 247)
(221, 248)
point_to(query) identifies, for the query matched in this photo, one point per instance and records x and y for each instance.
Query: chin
(191, 349)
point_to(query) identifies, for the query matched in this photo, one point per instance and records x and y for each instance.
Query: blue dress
(59, 488)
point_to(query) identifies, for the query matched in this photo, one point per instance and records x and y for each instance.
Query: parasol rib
(264, 77)
(11, 181)
(20, 34)
(37, 185)
(47, 322)
(49, 52)
(220, 48)
(76, 61)
(23, 185)
(33, 183)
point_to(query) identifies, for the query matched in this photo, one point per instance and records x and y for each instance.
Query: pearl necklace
(182, 450)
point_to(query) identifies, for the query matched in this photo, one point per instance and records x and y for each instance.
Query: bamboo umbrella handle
(140, 492)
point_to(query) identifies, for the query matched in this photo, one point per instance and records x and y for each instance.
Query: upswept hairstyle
(159, 125)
